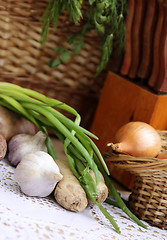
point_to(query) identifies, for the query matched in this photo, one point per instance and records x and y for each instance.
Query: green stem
(66, 133)
(103, 210)
(111, 202)
(39, 96)
(116, 195)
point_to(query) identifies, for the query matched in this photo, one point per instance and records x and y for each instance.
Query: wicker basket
(148, 199)
(24, 61)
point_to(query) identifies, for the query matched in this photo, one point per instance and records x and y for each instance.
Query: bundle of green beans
(82, 153)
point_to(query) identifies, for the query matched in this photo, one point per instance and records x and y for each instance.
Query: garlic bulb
(21, 144)
(37, 174)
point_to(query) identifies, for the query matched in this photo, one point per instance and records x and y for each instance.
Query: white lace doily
(31, 218)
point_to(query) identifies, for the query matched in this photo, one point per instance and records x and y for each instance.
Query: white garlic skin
(37, 174)
(21, 144)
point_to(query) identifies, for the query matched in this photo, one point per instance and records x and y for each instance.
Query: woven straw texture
(24, 61)
(148, 199)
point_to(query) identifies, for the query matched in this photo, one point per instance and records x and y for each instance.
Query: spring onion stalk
(111, 202)
(102, 209)
(91, 192)
(82, 154)
(113, 192)
(84, 177)
(31, 93)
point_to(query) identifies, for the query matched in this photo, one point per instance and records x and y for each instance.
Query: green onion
(113, 192)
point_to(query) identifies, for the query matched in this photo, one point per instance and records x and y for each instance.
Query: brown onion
(137, 139)
(162, 155)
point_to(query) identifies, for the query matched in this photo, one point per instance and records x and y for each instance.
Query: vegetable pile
(83, 156)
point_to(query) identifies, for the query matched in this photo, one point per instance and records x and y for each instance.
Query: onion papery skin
(162, 155)
(137, 139)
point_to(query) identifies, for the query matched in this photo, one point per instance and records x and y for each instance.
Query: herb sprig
(106, 17)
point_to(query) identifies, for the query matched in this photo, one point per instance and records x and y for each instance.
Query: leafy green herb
(106, 17)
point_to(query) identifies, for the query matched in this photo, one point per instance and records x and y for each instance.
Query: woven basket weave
(24, 61)
(148, 199)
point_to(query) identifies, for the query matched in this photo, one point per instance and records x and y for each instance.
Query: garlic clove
(37, 174)
(21, 144)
